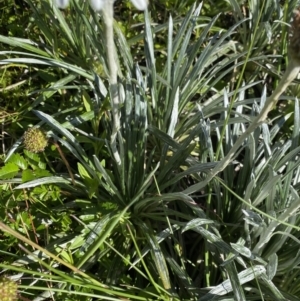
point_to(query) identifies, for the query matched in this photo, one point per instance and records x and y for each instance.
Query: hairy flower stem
(290, 74)
(113, 76)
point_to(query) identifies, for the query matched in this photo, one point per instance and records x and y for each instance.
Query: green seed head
(8, 289)
(35, 140)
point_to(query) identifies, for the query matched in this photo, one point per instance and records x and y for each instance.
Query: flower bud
(35, 140)
(8, 289)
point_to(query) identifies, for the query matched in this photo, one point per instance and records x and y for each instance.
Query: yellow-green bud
(8, 289)
(35, 140)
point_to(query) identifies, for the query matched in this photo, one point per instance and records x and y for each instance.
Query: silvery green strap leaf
(237, 289)
(268, 187)
(95, 232)
(226, 287)
(194, 223)
(272, 266)
(158, 258)
(290, 263)
(106, 176)
(253, 218)
(181, 273)
(13, 148)
(174, 115)
(73, 145)
(268, 232)
(49, 62)
(222, 246)
(159, 237)
(244, 251)
(43, 181)
(273, 290)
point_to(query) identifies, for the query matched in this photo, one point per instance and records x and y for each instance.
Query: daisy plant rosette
(291, 72)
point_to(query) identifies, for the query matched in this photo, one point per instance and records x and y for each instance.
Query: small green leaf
(64, 254)
(35, 157)
(19, 161)
(82, 171)
(77, 242)
(87, 101)
(34, 160)
(8, 171)
(92, 186)
(27, 175)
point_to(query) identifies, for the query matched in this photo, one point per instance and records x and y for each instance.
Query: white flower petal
(140, 4)
(98, 5)
(62, 3)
